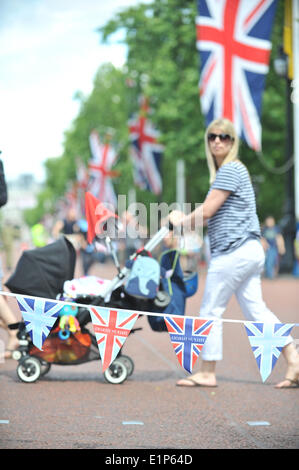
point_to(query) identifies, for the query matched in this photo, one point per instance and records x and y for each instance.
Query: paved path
(74, 408)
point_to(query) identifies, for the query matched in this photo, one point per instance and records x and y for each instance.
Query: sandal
(188, 382)
(292, 383)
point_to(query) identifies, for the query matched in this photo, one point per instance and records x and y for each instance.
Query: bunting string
(139, 312)
(113, 325)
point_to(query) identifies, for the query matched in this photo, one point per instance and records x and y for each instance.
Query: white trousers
(236, 273)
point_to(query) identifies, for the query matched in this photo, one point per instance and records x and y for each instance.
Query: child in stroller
(46, 272)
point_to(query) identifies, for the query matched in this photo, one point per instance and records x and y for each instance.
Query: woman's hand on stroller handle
(176, 219)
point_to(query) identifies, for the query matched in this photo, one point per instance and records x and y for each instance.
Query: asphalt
(73, 407)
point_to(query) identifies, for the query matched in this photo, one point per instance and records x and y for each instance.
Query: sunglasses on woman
(223, 137)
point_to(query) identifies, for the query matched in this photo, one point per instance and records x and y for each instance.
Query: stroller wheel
(45, 367)
(128, 362)
(29, 369)
(116, 372)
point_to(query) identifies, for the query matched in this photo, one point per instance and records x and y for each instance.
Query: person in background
(39, 235)
(296, 252)
(8, 235)
(274, 247)
(134, 235)
(90, 254)
(69, 227)
(7, 316)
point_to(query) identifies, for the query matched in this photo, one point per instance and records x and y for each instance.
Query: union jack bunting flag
(233, 39)
(111, 329)
(39, 317)
(267, 341)
(146, 152)
(100, 173)
(187, 335)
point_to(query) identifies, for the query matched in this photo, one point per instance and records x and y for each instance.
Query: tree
(163, 63)
(161, 41)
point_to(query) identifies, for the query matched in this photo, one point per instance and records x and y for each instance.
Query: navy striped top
(236, 220)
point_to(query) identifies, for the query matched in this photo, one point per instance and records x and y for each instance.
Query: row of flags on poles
(146, 156)
(187, 334)
(234, 46)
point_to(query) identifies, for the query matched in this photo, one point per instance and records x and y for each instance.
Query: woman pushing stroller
(237, 256)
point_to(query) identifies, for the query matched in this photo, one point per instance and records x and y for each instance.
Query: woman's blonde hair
(227, 127)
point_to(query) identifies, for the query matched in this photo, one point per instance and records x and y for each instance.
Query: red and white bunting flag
(111, 329)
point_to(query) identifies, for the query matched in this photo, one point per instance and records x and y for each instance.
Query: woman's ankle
(291, 354)
(208, 368)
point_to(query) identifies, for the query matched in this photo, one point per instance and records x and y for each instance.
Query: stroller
(46, 272)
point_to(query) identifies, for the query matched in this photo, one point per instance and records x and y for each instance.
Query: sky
(49, 50)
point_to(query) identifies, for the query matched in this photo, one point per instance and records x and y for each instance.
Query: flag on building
(187, 335)
(146, 152)
(39, 316)
(233, 40)
(111, 329)
(267, 341)
(103, 159)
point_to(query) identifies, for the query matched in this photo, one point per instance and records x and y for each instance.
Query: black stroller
(42, 272)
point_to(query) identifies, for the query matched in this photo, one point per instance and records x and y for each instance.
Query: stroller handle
(149, 246)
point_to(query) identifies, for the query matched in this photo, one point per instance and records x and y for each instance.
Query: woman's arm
(214, 200)
(203, 212)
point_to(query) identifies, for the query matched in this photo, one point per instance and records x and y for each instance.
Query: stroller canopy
(42, 271)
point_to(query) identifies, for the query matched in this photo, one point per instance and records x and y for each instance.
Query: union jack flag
(187, 335)
(103, 158)
(39, 317)
(234, 48)
(146, 152)
(82, 175)
(111, 328)
(267, 341)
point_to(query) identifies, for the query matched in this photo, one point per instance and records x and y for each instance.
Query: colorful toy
(69, 310)
(68, 324)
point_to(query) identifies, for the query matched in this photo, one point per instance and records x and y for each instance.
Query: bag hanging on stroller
(144, 278)
(174, 286)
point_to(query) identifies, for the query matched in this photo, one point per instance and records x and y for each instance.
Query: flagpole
(180, 184)
(295, 100)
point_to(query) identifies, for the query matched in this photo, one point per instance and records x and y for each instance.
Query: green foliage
(161, 40)
(163, 63)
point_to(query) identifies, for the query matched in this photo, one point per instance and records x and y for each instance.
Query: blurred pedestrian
(296, 251)
(8, 234)
(90, 254)
(69, 227)
(133, 235)
(274, 246)
(39, 235)
(237, 257)
(6, 315)
(190, 248)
